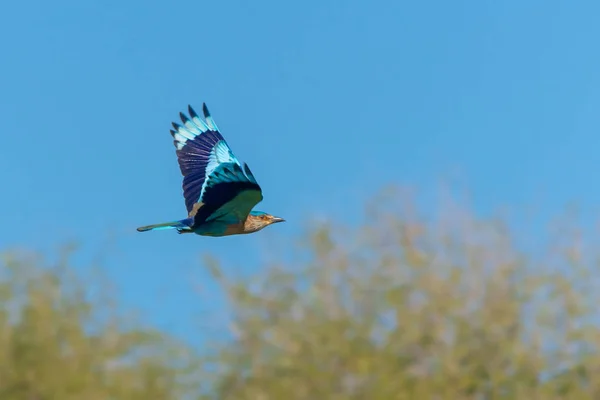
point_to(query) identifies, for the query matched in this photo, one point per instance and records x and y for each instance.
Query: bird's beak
(277, 219)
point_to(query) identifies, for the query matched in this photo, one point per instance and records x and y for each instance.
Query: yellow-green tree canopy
(401, 306)
(407, 307)
(60, 341)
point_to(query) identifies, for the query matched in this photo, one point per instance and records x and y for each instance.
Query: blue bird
(219, 191)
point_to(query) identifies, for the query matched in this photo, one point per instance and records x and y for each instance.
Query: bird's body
(219, 191)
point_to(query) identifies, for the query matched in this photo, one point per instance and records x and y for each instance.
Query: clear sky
(327, 101)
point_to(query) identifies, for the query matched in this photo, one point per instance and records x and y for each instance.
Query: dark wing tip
(172, 132)
(205, 111)
(192, 112)
(184, 119)
(248, 172)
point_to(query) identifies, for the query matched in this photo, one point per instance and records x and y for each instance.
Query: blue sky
(326, 100)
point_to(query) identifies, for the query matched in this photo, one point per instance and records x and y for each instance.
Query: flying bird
(219, 191)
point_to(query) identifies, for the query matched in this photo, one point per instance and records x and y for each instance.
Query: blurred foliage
(399, 306)
(409, 307)
(61, 337)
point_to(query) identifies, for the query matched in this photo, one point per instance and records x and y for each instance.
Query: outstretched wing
(215, 184)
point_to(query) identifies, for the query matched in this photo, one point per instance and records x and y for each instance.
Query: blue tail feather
(182, 225)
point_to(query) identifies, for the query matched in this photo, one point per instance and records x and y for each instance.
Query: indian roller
(219, 191)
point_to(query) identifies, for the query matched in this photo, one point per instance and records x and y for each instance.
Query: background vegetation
(402, 306)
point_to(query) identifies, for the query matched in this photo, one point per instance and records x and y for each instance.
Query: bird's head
(257, 220)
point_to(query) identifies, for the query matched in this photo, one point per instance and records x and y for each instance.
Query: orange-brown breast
(234, 229)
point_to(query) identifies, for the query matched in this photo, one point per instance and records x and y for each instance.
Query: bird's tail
(182, 226)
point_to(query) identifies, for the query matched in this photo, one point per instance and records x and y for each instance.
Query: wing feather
(214, 181)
